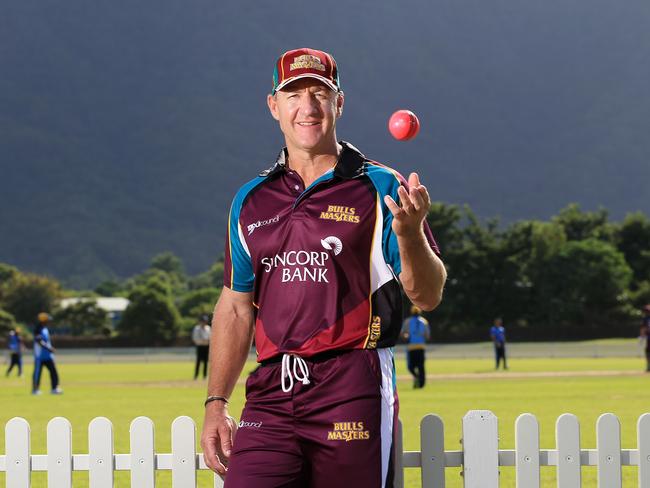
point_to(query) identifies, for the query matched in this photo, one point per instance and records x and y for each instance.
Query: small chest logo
(251, 227)
(340, 213)
(332, 243)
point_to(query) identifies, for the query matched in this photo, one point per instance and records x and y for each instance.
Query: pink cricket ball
(404, 125)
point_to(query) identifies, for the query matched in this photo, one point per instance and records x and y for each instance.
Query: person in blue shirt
(498, 335)
(16, 348)
(44, 355)
(416, 331)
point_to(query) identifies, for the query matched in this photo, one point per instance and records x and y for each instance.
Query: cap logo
(307, 61)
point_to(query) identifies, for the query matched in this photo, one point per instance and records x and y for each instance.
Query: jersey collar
(349, 164)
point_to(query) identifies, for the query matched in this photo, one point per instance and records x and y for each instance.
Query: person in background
(201, 339)
(498, 335)
(416, 332)
(16, 347)
(44, 355)
(645, 334)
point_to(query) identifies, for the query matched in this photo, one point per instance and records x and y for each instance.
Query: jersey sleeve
(238, 268)
(387, 181)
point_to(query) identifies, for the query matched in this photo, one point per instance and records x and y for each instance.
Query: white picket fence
(479, 458)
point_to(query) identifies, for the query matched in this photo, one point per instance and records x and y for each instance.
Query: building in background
(114, 306)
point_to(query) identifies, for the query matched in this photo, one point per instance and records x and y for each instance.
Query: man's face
(307, 110)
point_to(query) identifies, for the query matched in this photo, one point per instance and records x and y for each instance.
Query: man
(645, 334)
(498, 335)
(44, 356)
(416, 332)
(16, 347)
(201, 339)
(314, 246)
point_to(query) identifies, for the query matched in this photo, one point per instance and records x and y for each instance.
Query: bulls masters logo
(301, 265)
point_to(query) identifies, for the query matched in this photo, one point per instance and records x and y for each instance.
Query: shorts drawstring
(302, 375)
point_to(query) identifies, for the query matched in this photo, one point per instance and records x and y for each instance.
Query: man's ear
(340, 100)
(273, 106)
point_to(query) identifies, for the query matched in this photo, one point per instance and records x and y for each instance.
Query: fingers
(414, 180)
(216, 442)
(211, 456)
(415, 200)
(405, 200)
(226, 436)
(392, 206)
(421, 195)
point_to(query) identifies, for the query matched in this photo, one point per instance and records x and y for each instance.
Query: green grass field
(161, 391)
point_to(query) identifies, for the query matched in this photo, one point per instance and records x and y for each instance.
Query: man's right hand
(217, 437)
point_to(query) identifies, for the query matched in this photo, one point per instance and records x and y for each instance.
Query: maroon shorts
(338, 430)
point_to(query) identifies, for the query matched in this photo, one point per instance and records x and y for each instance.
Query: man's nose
(309, 105)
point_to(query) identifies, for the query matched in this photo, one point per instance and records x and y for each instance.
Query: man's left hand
(415, 203)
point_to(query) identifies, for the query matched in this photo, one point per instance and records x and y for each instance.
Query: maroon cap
(305, 63)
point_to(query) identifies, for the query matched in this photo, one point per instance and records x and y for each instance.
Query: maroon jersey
(322, 261)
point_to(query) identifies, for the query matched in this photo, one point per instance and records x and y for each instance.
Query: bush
(84, 317)
(150, 318)
(29, 295)
(198, 302)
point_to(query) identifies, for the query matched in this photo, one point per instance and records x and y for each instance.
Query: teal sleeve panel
(238, 267)
(386, 181)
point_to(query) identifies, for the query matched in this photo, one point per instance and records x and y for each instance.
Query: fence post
(608, 443)
(183, 453)
(218, 481)
(527, 451)
(567, 436)
(432, 449)
(480, 449)
(100, 453)
(143, 469)
(399, 456)
(59, 453)
(18, 451)
(643, 444)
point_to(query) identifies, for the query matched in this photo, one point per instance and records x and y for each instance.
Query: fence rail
(480, 457)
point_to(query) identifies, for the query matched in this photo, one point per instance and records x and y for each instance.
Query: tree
(84, 317)
(587, 281)
(579, 225)
(475, 289)
(30, 294)
(444, 222)
(640, 296)
(213, 278)
(151, 317)
(169, 263)
(108, 288)
(7, 275)
(198, 302)
(633, 240)
(7, 322)
(546, 240)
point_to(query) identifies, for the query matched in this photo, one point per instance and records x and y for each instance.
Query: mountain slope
(125, 128)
